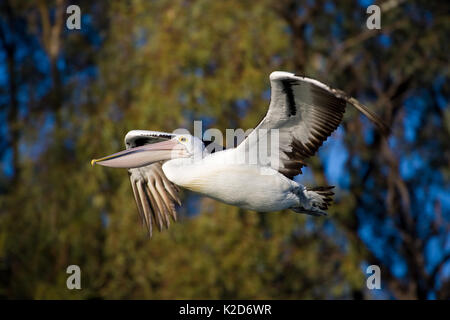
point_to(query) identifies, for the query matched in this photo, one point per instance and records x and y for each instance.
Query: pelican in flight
(303, 113)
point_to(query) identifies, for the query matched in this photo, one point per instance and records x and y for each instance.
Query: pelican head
(179, 146)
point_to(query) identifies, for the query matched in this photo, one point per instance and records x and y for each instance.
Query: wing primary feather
(167, 202)
(320, 128)
(169, 186)
(322, 113)
(139, 204)
(172, 191)
(369, 114)
(384, 128)
(156, 212)
(155, 195)
(146, 207)
(159, 202)
(315, 139)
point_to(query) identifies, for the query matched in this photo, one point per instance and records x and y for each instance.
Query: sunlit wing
(155, 195)
(305, 112)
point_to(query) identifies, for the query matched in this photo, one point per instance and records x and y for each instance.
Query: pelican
(303, 113)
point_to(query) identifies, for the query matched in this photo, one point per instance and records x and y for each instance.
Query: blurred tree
(69, 96)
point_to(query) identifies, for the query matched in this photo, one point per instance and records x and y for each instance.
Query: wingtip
(93, 161)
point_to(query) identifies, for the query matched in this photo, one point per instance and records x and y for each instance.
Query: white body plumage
(237, 184)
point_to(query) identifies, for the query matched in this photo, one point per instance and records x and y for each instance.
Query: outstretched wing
(155, 195)
(305, 112)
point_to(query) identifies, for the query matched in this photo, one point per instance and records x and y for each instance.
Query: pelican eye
(182, 139)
